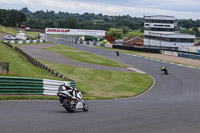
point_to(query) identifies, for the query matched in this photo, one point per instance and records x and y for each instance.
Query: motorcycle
(117, 52)
(72, 103)
(165, 70)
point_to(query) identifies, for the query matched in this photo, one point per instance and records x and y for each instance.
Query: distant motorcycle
(71, 99)
(117, 52)
(163, 68)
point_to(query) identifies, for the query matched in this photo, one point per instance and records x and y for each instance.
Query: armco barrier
(31, 86)
(15, 85)
(51, 86)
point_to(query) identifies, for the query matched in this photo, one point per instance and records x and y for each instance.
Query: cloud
(139, 8)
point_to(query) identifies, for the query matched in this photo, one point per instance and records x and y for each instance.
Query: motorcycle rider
(69, 89)
(117, 52)
(163, 68)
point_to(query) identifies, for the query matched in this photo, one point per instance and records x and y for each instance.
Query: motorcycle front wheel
(85, 107)
(68, 106)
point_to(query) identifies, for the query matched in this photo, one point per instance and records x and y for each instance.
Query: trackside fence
(4, 67)
(31, 86)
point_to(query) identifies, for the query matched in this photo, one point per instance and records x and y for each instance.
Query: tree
(135, 33)
(21, 18)
(115, 33)
(71, 22)
(49, 24)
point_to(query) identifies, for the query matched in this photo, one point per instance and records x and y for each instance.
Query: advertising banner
(75, 32)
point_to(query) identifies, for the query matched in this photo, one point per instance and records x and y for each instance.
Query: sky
(180, 9)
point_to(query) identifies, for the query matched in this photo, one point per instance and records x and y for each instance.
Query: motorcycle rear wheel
(68, 106)
(166, 72)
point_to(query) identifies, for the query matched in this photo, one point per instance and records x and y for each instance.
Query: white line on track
(164, 61)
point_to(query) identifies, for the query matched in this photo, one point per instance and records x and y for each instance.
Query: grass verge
(94, 84)
(7, 30)
(32, 34)
(83, 56)
(102, 84)
(27, 97)
(14, 32)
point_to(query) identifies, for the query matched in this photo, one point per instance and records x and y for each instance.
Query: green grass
(84, 56)
(102, 84)
(20, 67)
(14, 32)
(32, 34)
(7, 30)
(94, 84)
(27, 97)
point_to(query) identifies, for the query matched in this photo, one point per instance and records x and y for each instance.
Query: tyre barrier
(24, 41)
(31, 86)
(187, 55)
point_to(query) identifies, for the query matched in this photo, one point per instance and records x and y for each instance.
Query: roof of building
(197, 44)
(170, 33)
(132, 38)
(159, 16)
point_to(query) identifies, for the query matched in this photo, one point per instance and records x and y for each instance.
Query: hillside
(12, 31)
(19, 66)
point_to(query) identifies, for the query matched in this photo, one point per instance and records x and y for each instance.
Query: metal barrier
(31, 86)
(16, 85)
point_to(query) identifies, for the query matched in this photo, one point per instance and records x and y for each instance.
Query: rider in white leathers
(69, 89)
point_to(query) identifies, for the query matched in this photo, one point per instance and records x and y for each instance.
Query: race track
(171, 106)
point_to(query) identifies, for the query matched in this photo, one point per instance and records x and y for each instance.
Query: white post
(45, 37)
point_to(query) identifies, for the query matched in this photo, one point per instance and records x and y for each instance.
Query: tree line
(42, 19)
(124, 24)
(11, 18)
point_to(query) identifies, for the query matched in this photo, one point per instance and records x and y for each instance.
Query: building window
(162, 29)
(159, 21)
(184, 40)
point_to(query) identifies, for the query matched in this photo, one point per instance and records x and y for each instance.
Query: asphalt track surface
(171, 106)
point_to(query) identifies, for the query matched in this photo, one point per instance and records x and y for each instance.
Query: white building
(160, 31)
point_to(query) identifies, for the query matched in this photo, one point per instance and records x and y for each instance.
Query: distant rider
(117, 52)
(163, 68)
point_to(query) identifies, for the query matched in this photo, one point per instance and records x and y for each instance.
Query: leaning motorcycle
(165, 70)
(70, 103)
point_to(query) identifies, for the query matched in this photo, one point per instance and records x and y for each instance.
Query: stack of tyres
(198, 57)
(180, 54)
